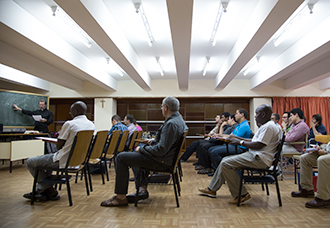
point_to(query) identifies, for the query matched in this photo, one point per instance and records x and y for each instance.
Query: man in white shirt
(50, 162)
(260, 154)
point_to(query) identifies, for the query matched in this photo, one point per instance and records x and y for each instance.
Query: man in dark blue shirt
(317, 128)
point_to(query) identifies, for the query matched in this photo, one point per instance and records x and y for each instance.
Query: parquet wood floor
(158, 211)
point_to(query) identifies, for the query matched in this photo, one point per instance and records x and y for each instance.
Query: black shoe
(210, 174)
(196, 163)
(143, 194)
(183, 161)
(303, 193)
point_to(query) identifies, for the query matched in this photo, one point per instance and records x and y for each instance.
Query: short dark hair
(116, 117)
(298, 111)
(130, 117)
(244, 111)
(232, 116)
(43, 100)
(287, 112)
(226, 114)
(318, 118)
(277, 116)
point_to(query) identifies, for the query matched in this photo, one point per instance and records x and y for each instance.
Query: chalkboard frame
(24, 121)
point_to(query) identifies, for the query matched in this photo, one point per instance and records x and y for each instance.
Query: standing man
(260, 154)
(47, 116)
(317, 128)
(157, 153)
(50, 162)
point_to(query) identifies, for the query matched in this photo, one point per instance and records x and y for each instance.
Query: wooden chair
(267, 176)
(139, 136)
(290, 155)
(96, 154)
(172, 170)
(132, 141)
(77, 160)
(110, 150)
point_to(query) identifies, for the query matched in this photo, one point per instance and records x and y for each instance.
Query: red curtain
(309, 105)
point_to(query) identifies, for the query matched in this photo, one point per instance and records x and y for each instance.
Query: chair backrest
(132, 138)
(113, 142)
(80, 148)
(123, 140)
(99, 143)
(277, 155)
(139, 135)
(178, 152)
(322, 138)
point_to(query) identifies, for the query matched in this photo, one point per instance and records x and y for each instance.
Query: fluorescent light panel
(286, 30)
(139, 9)
(57, 11)
(206, 65)
(222, 9)
(252, 65)
(160, 68)
(115, 67)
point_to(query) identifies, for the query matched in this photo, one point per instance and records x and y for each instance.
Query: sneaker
(207, 192)
(199, 167)
(205, 171)
(244, 199)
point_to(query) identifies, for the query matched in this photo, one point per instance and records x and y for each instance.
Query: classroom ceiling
(35, 42)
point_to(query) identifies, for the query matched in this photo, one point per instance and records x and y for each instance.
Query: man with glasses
(156, 153)
(286, 124)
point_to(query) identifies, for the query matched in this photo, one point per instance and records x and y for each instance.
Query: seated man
(297, 132)
(320, 158)
(317, 128)
(261, 152)
(50, 162)
(117, 125)
(219, 119)
(286, 124)
(242, 130)
(275, 118)
(205, 145)
(157, 153)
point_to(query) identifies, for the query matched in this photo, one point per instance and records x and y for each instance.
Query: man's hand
(16, 107)
(43, 120)
(312, 124)
(137, 149)
(322, 152)
(233, 140)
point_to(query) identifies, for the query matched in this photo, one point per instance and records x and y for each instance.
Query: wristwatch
(241, 142)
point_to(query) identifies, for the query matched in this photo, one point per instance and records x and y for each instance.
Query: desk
(18, 148)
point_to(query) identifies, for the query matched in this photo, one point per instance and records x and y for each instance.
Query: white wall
(254, 103)
(104, 109)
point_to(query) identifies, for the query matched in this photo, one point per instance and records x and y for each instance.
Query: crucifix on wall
(102, 103)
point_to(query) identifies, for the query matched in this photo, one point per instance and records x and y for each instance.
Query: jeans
(218, 152)
(190, 150)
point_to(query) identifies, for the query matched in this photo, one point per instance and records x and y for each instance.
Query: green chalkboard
(29, 101)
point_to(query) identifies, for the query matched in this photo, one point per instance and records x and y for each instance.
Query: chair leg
(175, 190)
(295, 171)
(278, 193)
(177, 182)
(34, 186)
(68, 188)
(240, 188)
(138, 187)
(89, 177)
(267, 190)
(86, 181)
(101, 168)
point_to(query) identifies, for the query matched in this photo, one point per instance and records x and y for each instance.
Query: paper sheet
(37, 117)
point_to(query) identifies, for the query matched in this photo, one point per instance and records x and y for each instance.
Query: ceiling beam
(94, 18)
(181, 24)
(265, 21)
(325, 83)
(307, 51)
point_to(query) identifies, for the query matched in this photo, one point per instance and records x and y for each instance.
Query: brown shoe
(244, 199)
(114, 202)
(303, 193)
(207, 192)
(318, 203)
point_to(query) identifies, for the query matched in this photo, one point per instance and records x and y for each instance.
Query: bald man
(50, 162)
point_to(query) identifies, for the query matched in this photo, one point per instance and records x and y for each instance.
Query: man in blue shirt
(242, 130)
(317, 128)
(117, 125)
